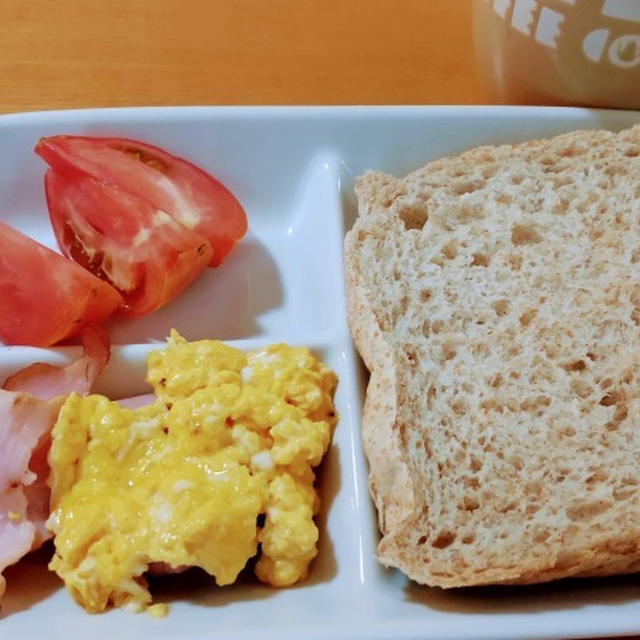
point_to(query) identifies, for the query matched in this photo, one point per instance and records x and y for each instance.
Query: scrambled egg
(183, 481)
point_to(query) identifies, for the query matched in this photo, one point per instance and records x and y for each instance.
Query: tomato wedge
(168, 183)
(45, 298)
(142, 251)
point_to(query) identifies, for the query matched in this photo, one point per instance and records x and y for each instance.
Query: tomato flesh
(166, 182)
(142, 251)
(45, 298)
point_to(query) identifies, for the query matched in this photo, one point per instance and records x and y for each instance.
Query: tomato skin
(169, 183)
(45, 298)
(143, 252)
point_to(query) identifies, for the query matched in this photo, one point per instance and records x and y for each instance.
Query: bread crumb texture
(495, 298)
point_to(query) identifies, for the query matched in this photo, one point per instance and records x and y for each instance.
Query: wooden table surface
(91, 53)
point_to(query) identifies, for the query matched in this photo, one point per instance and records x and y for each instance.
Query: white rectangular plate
(293, 169)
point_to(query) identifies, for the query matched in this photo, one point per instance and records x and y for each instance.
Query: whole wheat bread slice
(495, 298)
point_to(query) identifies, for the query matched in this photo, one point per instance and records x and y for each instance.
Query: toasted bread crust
(389, 482)
(495, 298)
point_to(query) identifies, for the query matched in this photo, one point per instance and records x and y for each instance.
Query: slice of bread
(495, 298)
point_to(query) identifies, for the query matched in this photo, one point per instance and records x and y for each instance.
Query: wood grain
(92, 53)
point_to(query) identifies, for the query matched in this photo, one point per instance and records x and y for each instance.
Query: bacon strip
(25, 420)
(29, 405)
(134, 402)
(45, 381)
